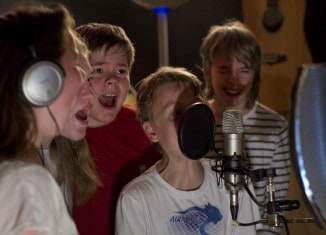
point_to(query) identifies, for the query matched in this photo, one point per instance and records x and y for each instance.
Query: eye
(97, 70)
(121, 71)
(177, 113)
(245, 70)
(223, 71)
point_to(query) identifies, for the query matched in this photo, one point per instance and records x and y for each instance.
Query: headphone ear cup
(42, 82)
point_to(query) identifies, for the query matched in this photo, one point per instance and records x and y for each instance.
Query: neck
(183, 174)
(92, 123)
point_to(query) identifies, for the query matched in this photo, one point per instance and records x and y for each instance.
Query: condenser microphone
(233, 156)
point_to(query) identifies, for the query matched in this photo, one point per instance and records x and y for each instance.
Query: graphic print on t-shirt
(196, 220)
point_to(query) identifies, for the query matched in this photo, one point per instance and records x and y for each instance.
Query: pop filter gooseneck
(196, 131)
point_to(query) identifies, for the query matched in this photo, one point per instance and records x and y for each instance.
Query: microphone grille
(232, 122)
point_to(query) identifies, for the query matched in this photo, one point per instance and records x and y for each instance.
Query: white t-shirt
(30, 199)
(149, 205)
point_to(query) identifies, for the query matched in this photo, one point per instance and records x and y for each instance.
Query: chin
(108, 118)
(78, 135)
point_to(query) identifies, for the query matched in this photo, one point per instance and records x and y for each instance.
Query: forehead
(168, 89)
(227, 60)
(113, 54)
(173, 92)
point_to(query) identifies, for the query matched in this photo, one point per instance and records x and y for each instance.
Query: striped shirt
(266, 145)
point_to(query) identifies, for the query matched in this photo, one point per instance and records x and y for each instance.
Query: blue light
(161, 9)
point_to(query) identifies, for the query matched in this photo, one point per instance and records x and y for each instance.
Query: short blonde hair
(147, 88)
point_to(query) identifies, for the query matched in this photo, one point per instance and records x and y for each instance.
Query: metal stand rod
(293, 220)
(163, 38)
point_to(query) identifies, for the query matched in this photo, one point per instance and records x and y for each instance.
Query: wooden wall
(277, 79)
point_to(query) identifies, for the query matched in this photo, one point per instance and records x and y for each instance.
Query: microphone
(233, 157)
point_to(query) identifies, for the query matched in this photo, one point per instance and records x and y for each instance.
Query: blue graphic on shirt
(195, 219)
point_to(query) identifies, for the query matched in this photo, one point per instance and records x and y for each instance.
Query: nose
(86, 91)
(234, 76)
(111, 79)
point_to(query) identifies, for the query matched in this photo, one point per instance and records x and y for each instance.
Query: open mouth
(107, 100)
(233, 92)
(81, 115)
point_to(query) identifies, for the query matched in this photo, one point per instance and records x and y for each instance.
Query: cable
(252, 196)
(41, 155)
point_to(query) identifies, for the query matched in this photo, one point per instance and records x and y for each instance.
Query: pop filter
(196, 131)
(308, 136)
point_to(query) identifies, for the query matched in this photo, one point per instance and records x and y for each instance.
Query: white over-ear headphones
(41, 81)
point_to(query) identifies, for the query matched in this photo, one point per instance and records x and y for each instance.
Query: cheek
(72, 88)
(216, 83)
(247, 82)
(169, 131)
(70, 92)
(124, 87)
(97, 86)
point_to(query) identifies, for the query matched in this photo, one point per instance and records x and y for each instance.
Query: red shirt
(121, 151)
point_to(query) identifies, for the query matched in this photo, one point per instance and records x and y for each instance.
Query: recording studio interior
(292, 35)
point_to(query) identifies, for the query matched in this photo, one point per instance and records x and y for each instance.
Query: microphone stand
(274, 207)
(274, 219)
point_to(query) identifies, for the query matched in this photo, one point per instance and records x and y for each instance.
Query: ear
(149, 131)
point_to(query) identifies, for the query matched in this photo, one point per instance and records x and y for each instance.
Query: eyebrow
(97, 63)
(223, 67)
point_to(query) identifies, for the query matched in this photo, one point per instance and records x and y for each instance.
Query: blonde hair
(76, 170)
(147, 89)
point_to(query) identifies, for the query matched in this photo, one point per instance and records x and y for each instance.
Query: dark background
(188, 24)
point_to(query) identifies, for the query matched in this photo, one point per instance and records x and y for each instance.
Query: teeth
(234, 92)
(107, 100)
(107, 95)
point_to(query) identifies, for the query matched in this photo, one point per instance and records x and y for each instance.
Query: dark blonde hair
(99, 35)
(232, 39)
(47, 29)
(147, 88)
(76, 170)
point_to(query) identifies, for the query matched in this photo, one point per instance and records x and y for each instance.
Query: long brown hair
(46, 29)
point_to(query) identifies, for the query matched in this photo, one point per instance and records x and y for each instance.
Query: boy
(177, 195)
(231, 60)
(118, 145)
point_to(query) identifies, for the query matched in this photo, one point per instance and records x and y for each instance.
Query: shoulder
(127, 111)
(261, 109)
(263, 114)
(142, 184)
(19, 169)
(28, 178)
(29, 192)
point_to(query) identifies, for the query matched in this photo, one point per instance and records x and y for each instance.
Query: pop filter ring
(196, 131)
(307, 136)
